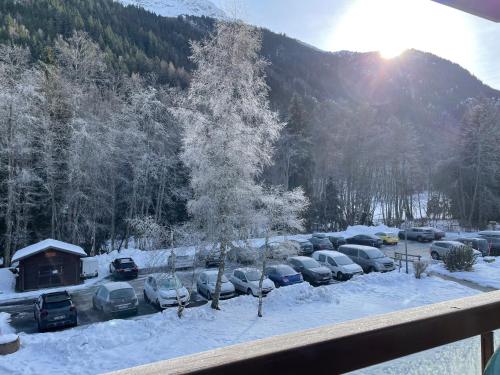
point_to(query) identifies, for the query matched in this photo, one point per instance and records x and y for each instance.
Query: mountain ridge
(174, 8)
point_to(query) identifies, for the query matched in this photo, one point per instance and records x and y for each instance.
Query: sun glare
(392, 26)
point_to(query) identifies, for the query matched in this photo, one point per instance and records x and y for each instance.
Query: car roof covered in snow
(117, 285)
(331, 253)
(46, 244)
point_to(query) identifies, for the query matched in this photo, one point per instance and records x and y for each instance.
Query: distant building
(47, 264)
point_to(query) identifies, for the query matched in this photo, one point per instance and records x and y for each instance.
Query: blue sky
(389, 26)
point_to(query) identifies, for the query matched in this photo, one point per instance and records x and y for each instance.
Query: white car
(246, 280)
(342, 267)
(165, 291)
(205, 285)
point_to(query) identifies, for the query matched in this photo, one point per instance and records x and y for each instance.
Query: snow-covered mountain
(174, 8)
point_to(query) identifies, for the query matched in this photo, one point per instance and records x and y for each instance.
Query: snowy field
(118, 343)
(483, 274)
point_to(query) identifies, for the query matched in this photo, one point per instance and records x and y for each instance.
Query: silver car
(246, 280)
(439, 249)
(205, 285)
(165, 291)
(369, 258)
(114, 298)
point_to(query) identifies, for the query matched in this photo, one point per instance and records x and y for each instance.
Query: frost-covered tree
(228, 134)
(280, 211)
(18, 115)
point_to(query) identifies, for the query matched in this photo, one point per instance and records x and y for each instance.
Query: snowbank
(118, 344)
(484, 274)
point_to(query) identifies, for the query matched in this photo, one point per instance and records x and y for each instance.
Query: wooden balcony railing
(348, 346)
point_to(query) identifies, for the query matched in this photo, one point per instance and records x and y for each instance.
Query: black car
(337, 241)
(123, 268)
(320, 242)
(365, 239)
(311, 270)
(306, 247)
(53, 310)
(493, 238)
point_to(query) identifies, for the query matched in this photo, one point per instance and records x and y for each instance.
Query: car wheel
(146, 299)
(370, 270)
(157, 304)
(209, 296)
(434, 255)
(93, 304)
(340, 276)
(249, 292)
(420, 239)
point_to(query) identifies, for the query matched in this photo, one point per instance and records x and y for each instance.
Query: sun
(390, 52)
(393, 26)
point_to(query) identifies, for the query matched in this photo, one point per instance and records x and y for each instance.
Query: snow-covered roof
(46, 244)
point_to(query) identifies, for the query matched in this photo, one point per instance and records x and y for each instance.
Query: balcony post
(487, 349)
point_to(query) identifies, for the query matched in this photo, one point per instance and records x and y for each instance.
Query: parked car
(365, 239)
(438, 233)
(480, 244)
(123, 268)
(282, 250)
(439, 249)
(243, 255)
(283, 275)
(342, 267)
(311, 270)
(320, 242)
(337, 240)
(205, 285)
(493, 238)
(115, 298)
(417, 234)
(246, 280)
(211, 257)
(369, 258)
(305, 246)
(53, 310)
(165, 290)
(388, 238)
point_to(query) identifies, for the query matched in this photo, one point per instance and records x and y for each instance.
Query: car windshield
(212, 278)
(252, 275)
(310, 263)
(374, 253)
(58, 304)
(126, 293)
(285, 271)
(343, 260)
(170, 283)
(126, 264)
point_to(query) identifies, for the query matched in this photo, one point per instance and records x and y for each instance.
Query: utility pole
(406, 246)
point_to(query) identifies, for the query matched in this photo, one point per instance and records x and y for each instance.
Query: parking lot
(22, 310)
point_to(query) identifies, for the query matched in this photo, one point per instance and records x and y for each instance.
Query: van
(90, 267)
(342, 267)
(369, 258)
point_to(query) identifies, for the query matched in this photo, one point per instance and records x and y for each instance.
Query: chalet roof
(46, 244)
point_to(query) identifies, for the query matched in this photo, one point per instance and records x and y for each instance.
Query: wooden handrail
(348, 346)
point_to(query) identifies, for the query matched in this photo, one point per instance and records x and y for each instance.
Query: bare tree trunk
(216, 296)
(261, 280)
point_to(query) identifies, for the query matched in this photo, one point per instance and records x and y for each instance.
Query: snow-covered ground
(483, 274)
(118, 344)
